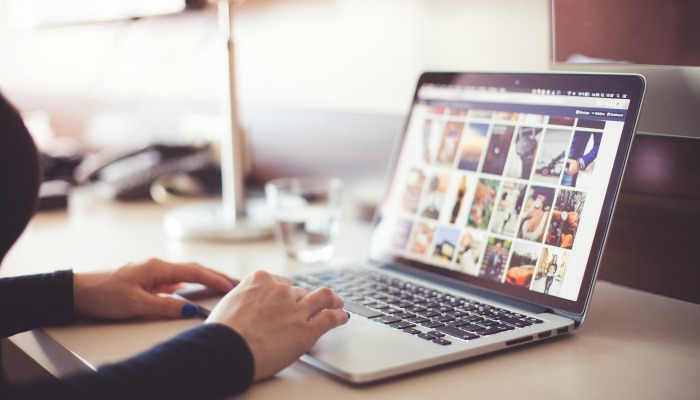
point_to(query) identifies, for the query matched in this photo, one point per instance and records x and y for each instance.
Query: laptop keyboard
(424, 312)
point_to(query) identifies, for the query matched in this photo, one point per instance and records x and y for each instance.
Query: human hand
(572, 166)
(278, 321)
(133, 290)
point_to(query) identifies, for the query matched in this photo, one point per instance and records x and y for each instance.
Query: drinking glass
(307, 212)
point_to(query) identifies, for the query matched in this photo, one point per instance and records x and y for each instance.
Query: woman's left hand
(133, 291)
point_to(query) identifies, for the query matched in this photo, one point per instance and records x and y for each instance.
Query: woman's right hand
(279, 322)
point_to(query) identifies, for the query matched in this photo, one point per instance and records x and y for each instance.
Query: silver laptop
(490, 232)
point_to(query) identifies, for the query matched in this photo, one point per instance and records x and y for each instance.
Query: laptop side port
(563, 330)
(544, 335)
(519, 341)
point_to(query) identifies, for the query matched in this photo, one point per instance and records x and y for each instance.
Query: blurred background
(338, 72)
(317, 80)
(323, 87)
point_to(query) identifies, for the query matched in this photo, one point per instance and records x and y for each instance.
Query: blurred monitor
(658, 39)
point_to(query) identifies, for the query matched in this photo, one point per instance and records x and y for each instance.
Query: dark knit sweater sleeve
(33, 301)
(207, 362)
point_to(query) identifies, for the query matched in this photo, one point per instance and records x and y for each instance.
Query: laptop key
(442, 341)
(472, 328)
(472, 318)
(445, 318)
(460, 323)
(426, 336)
(459, 314)
(443, 309)
(360, 309)
(401, 325)
(432, 324)
(495, 329)
(456, 332)
(428, 314)
(417, 319)
(386, 319)
(516, 322)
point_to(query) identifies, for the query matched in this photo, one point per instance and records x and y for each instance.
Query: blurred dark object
(182, 187)
(130, 176)
(196, 4)
(59, 167)
(653, 238)
(53, 195)
(56, 180)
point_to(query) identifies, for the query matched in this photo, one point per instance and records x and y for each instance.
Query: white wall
(365, 55)
(340, 55)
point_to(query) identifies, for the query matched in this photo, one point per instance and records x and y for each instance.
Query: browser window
(500, 183)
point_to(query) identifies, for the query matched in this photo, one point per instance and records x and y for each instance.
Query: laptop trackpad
(361, 348)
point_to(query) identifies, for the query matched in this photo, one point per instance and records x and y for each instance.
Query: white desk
(631, 345)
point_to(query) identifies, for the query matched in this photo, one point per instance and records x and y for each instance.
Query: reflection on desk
(632, 345)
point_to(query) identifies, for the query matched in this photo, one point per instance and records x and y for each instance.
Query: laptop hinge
(576, 317)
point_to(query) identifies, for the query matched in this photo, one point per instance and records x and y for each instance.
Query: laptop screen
(507, 181)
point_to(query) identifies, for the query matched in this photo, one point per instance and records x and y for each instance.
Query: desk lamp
(230, 218)
(233, 218)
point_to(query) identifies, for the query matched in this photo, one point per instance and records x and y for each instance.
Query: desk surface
(632, 344)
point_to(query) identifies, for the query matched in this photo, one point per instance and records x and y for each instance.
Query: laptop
(492, 226)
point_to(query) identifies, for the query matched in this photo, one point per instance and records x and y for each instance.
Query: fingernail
(189, 310)
(348, 314)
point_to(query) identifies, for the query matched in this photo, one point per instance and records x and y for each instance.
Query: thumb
(168, 307)
(329, 319)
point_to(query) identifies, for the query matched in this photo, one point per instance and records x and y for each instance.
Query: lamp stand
(233, 218)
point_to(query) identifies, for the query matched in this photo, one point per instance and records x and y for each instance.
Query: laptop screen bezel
(632, 85)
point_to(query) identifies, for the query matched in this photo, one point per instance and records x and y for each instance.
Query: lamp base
(206, 221)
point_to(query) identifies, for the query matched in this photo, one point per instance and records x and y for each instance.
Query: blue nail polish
(189, 310)
(348, 314)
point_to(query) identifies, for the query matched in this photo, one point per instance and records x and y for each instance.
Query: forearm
(589, 157)
(210, 361)
(35, 300)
